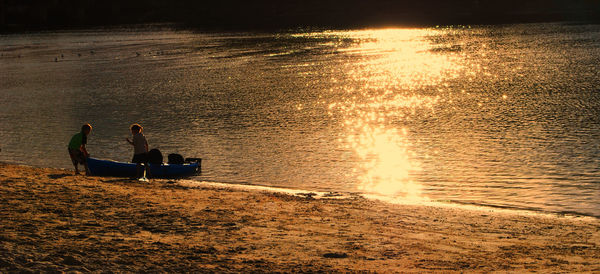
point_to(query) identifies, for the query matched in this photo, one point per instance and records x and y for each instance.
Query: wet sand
(54, 221)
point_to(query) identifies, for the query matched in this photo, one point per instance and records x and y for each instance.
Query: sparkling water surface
(505, 116)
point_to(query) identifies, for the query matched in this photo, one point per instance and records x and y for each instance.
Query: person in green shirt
(77, 149)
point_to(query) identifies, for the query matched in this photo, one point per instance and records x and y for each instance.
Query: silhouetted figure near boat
(77, 149)
(140, 150)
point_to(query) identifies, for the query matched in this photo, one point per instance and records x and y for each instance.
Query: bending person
(77, 149)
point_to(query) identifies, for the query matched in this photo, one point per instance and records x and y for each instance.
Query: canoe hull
(119, 169)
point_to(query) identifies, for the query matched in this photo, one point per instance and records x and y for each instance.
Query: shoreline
(315, 194)
(54, 221)
(190, 183)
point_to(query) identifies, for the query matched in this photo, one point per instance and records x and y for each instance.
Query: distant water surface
(504, 116)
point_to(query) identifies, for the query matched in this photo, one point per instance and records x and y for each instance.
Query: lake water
(504, 116)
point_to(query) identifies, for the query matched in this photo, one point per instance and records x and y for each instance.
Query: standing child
(77, 149)
(140, 149)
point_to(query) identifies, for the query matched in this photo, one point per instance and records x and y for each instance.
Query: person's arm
(146, 145)
(85, 152)
(129, 141)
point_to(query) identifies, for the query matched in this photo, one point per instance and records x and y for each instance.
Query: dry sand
(53, 221)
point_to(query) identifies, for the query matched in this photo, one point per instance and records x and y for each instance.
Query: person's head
(86, 129)
(136, 128)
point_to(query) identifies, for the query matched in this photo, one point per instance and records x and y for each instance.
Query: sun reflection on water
(380, 95)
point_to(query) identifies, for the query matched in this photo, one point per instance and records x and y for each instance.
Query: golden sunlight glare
(382, 94)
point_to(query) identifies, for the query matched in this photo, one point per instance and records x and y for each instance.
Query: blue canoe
(119, 169)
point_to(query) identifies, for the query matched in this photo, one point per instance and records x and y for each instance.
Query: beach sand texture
(54, 221)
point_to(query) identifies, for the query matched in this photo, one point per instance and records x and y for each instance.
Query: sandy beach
(53, 221)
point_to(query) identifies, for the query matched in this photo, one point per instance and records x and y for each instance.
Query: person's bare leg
(76, 169)
(87, 169)
(148, 175)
